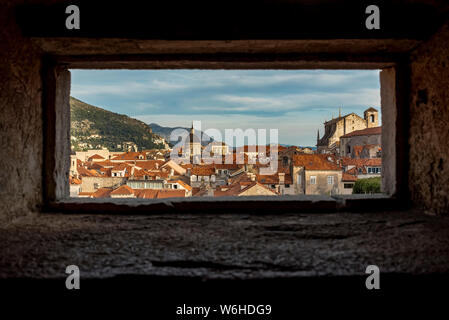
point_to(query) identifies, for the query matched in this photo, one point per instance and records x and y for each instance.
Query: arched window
(372, 118)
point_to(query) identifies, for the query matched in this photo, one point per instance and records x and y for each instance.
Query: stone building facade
(92, 184)
(369, 140)
(335, 128)
(314, 174)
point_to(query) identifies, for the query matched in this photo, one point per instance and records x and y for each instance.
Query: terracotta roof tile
(95, 156)
(203, 170)
(123, 190)
(348, 177)
(158, 194)
(375, 162)
(102, 193)
(260, 185)
(364, 132)
(182, 183)
(314, 162)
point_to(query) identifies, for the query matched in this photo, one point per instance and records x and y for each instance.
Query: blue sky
(296, 102)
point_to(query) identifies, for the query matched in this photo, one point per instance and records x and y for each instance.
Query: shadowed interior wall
(20, 120)
(429, 124)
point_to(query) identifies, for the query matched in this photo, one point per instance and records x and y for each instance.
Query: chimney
(172, 172)
(157, 165)
(281, 178)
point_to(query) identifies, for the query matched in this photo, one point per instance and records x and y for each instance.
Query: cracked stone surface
(224, 246)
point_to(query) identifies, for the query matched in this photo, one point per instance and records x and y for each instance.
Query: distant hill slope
(165, 132)
(93, 127)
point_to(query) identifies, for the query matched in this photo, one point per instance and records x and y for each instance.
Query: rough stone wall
(20, 120)
(429, 124)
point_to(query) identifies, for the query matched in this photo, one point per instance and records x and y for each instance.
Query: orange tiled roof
(95, 156)
(123, 190)
(106, 163)
(314, 162)
(120, 167)
(102, 193)
(158, 194)
(73, 180)
(273, 179)
(162, 194)
(129, 156)
(357, 150)
(195, 191)
(182, 183)
(203, 170)
(364, 132)
(259, 184)
(149, 164)
(83, 172)
(375, 162)
(348, 177)
(85, 193)
(145, 193)
(228, 191)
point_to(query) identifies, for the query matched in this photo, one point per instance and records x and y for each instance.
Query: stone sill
(252, 204)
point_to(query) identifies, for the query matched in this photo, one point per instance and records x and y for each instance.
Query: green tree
(369, 185)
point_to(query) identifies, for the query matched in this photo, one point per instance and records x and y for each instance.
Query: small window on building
(372, 118)
(287, 186)
(349, 149)
(330, 179)
(96, 186)
(313, 180)
(175, 186)
(348, 185)
(299, 178)
(273, 186)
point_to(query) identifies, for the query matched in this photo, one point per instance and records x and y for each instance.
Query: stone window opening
(56, 195)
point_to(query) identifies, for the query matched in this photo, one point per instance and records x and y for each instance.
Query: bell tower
(371, 117)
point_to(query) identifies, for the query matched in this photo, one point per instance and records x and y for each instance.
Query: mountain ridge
(93, 127)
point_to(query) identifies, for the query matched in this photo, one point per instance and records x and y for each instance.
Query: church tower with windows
(371, 117)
